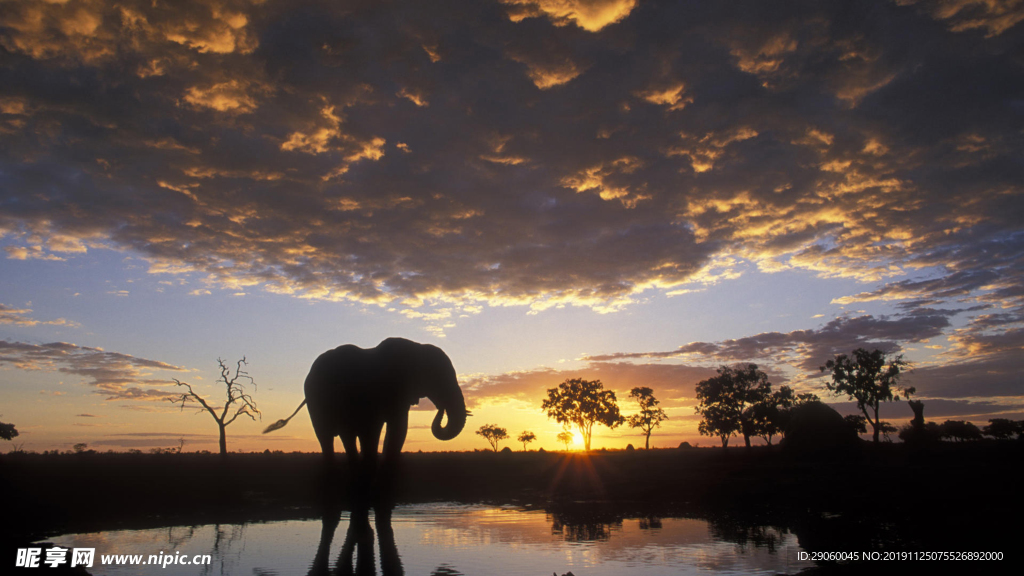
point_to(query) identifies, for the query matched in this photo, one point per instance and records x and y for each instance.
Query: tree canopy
(726, 398)
(493, 434)
(583, 403)
(1003, 428)
(857, 422)
(565, 437)
(770, 416)
(8, 431)
(870, 378)
(959, 431)
(526, 437)
(650, 416)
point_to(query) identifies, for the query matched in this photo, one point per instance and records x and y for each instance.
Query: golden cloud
(591, 15)
(231, 96)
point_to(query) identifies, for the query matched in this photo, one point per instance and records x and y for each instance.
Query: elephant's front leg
(364, 464)
(394, 439)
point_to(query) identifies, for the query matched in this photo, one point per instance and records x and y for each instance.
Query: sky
(628, 190)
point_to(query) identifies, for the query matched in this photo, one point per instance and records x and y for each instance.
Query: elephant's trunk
(456, 421)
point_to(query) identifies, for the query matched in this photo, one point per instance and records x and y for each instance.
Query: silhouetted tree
(887, 429)
(917, 433)
(724, 400)
(236, 395)
(770, 416)
(858, 422)
(493, 434)
(925, 434)
(1003, 428)
(866, 379)
(565, 437)
(8, 431)
(526, 437)
(80, 448)
(960, 431)
(583, 403)
(650, 416)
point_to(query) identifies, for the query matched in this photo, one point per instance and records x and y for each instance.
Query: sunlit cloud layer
(439, 159)
(809, 349)
(404, 154)
(20, 317)
(115, 375)
(674, 382)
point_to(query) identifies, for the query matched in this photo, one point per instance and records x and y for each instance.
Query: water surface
(450, 539)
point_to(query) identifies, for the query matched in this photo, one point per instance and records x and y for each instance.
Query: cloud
(93, 30)
(591, 15)
(230, 96)
(939, 410)
(674, 382)
(975, 391)
(807, 350)
(115, 375)
(535, 154)
(19, 317)
(980, 370)
(967, 15)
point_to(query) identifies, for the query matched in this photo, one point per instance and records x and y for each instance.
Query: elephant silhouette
(353, 392)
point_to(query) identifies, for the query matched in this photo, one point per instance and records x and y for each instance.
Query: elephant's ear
(417, 374)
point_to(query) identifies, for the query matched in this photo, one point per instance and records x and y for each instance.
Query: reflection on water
(455, 539)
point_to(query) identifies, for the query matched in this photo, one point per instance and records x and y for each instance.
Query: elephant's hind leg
(326, 447)
(328, 474)
(348, 441)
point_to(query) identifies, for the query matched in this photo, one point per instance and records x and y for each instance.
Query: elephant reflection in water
(358, 543)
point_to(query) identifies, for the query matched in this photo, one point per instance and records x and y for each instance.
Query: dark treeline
(942, 485)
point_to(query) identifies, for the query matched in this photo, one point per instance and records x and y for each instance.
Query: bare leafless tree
(236, 396)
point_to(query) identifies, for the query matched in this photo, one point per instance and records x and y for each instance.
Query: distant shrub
(925, 435)
(684, 445)
(506, 450)
(629, 447)
(960, 431)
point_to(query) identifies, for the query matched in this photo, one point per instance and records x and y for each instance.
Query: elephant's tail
(281, 423)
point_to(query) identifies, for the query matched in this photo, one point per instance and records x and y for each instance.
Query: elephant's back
(348, 368)
(342, 361)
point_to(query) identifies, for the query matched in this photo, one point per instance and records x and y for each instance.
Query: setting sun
(577, 439)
